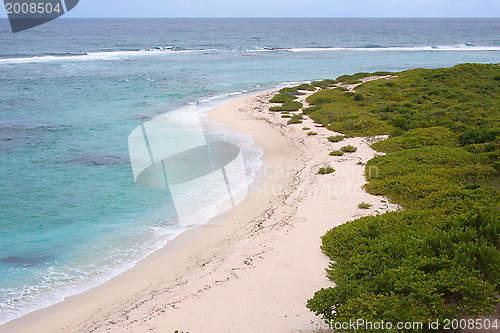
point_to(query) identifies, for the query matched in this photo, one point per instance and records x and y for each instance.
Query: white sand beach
(251, 270)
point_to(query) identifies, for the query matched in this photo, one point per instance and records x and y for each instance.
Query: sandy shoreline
(251, 270)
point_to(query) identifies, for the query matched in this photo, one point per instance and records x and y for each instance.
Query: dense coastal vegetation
(438, 258)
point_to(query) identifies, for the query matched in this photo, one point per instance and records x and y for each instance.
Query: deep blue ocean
(72, 91)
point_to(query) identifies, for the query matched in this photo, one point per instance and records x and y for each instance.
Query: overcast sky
(285, 8)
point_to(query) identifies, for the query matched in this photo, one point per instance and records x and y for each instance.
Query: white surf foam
(460, 47)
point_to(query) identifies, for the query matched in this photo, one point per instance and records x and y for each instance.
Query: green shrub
(358, 76)
(306, 128)
(311, 109)
(353, 81)
(331, 82)
(282, 98)
(418, 138)
(425, 177)
(381, 73)
(292, 106)
(335, 138)
(326, 170)
(416, 99)
(439, 258)
(306, 86)
(291, 90)
(321, 84)
(478, 135)
(349, 149)
(337, 153)
(287, 106)
(404, 267)
(397, 132)
(320, 100)
(286, 116)
(296, 119)
(364, 205)
(312, 133)
(359, 97)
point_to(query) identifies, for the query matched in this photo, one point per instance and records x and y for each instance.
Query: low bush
(335, 138)
(358, 97)
(287, 106)
(292, 106)
(427, 177)
(439, 258)
(337, 153)
(312, 133)
(407, 267)
(418, 138)
(306, 86)
(352, 81)
(282, 98)
(311, 109)
(326, 170)
(478, 135)
(320, 84)
(320, 100)
(349, 149)
(416, 99)
(291, 90)
(364, 205)
(362, 75)
(331, 82)
(295, 119)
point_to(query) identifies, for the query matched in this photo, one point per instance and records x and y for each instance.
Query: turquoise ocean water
(71, 92)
